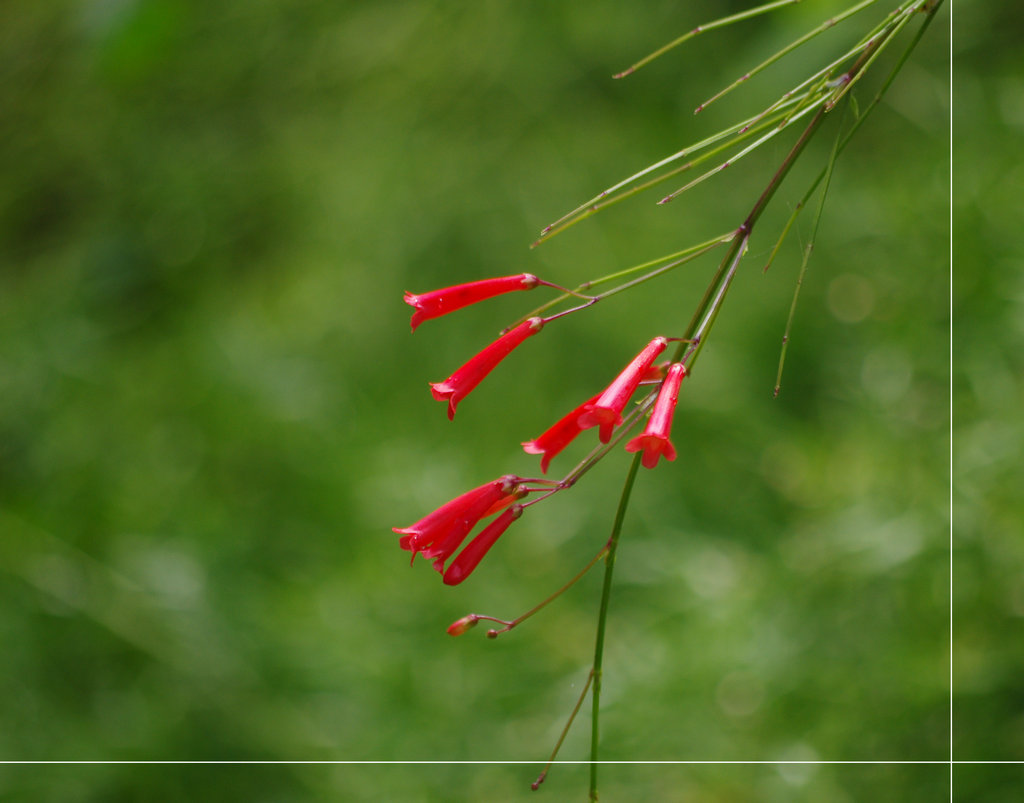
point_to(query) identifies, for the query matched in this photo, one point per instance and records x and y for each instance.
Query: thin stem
(807, 253)
(708, 26)
(785, 229)
(855, 75)
(570, 311)
(737, 156)
(565, 290)
(705, 301)
(628, 422)
(696, 331)
(615, 194)
(829, 23)
(691, 252)
(858, 122)
(663, 269)
(602, 620)
(679, 257)
(697, 342)
(565, 732)
(544, 603)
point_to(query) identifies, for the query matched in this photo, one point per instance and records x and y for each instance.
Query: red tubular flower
(434, 529)
(654, 440)
(448, 299)
(456, 387)
(558, 436)
(444, 547)
(606, 412)
(470, 557)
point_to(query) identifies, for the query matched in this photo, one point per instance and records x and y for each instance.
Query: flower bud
(460, 626)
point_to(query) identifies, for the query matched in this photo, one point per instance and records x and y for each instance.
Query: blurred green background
(212, 411)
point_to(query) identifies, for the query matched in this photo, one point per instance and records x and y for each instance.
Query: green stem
(788, 121)
(708, 26)
(665, 263)
(732, 135)
(707, 310)
(853, 129)
(807, 253)
(565, 732)
(832, 21)
(602, 620)
(699, 336)
(494, 633)
(854, 76)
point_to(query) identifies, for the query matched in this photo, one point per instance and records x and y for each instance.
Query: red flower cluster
(440, 534)
(605, 411)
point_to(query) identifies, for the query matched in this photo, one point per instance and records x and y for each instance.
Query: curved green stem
(732, 135)
(602, 620)
(509, 624)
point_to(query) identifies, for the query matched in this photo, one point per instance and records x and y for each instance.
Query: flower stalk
(602, 621)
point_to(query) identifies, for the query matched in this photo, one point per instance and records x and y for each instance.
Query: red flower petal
(606, 412)
(557, 436)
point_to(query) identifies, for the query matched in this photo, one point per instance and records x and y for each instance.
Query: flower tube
(654, 441)
(448, 299)
(445, 546)
(435, 528)
(469, 558)
(456, 387)
(557, 436)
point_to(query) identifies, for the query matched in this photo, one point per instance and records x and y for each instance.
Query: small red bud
(460, 626)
